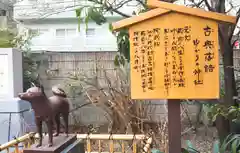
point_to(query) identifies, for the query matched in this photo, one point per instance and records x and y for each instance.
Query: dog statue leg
(65, 118)
(39, 130)
(50, 132)
(57, 121)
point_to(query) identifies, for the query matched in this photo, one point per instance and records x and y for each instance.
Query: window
(42, 31)
(65, 32)
(38, 31)
(70, 32)
(3, 12)
(60, 32)
(90, 32)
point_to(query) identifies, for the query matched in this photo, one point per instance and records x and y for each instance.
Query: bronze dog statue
(48, 109)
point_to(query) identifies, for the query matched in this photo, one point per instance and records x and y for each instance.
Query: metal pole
(174, 126)
(9, 126)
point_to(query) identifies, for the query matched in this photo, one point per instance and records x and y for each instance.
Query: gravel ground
(202, 139)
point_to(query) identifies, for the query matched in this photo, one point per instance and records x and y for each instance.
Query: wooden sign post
(174, 55)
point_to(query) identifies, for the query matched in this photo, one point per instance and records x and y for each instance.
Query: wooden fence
(56, 69)
(142, 142)
(57, 66)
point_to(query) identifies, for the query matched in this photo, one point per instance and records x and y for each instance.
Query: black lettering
(207, 31)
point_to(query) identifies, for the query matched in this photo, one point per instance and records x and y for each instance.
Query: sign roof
(162, 8)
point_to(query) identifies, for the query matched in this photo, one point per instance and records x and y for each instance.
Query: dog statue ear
(42, 88)
(33, 84)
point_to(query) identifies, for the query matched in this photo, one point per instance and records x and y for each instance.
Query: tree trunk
(223, 125)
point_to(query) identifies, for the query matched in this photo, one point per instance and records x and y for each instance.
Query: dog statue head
(32, 94)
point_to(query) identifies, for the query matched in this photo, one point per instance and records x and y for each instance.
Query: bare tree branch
(197, 4)
(142, 3)
(209, 6)
(110, 8)
(234, 27)
(230, 9)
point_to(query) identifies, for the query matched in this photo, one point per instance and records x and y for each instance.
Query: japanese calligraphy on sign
(144, 43)
(176, 60)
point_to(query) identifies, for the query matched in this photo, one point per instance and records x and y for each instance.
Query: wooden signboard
(174, 52)
(174, 57)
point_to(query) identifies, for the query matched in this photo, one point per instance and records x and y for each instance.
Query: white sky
(234, 3)
(23, 6)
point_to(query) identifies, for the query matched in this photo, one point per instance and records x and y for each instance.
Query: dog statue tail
(58, 92)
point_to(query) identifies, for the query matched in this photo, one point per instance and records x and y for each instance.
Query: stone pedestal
(16, 119)
(61, 144)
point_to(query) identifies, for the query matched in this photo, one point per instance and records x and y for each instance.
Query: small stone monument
(15, 117)
(11, 73)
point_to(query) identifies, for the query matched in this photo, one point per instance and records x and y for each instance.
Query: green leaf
(192, 150)
(190, 147)
(78, 14)
(235, 146)
(214, 117)
(116, 61)
(156, 151)
(235, 120)
(110, 27)
(122, 60)
(227, 141)
(216, 147)
(183, 150)
(96, 15)
(86, 22)
(232, 110)
(123, 43)
(189, 144)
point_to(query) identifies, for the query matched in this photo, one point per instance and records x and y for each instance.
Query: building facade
(57, 26)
